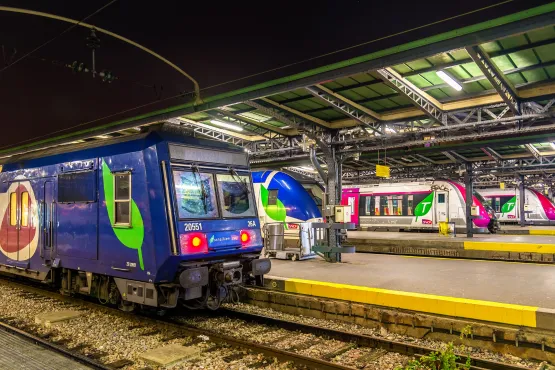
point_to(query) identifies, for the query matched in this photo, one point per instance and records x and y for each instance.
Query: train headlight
(248, 238)
(193, 243)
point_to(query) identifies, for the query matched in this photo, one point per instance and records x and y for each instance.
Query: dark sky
(212, 41)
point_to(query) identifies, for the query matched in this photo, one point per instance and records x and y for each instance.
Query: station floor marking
(450, 306)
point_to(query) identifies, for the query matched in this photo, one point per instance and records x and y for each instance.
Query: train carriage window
(195, 195)
(122, 198)
(25, 209)
(410, 205)
(13, 209)
(441, 198)
(77, 187)
(235, 195)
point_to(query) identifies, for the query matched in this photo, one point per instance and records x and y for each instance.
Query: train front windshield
(196, 194)
(485, 203)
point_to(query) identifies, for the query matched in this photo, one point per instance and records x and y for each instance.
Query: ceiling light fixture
(226, 125)
(449, 79)
(552, 145)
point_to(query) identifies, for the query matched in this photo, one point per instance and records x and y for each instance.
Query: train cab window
(272, 197)
(235, 195)
(441, 198)
(13, 209)
(25, 209)
(195, 195)
(122, 198)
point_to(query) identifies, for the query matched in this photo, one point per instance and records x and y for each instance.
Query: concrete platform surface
(51, 318)
(512, 293)
(17, 353)
(169, 355)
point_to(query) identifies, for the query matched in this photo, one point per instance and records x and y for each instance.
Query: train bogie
(151, 220)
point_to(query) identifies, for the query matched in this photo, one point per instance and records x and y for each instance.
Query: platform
(527, 230)
(507, 293)
(496, 247)
(21, 354)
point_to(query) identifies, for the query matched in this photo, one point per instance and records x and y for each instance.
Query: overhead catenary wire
(109, 33)
(55, 37)
(197, 92)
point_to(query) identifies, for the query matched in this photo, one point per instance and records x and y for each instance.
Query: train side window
(25, 209)
(13, 209)
(441, 198)
(122, 198)
(272, 197)
(410, 205)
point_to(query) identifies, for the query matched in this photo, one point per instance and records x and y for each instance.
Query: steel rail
(54, 347)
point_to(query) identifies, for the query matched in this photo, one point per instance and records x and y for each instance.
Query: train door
(47, 221)
(20, 228)
(441, 205)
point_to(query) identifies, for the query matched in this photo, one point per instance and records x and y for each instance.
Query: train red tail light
(193, 243)
(248, 238)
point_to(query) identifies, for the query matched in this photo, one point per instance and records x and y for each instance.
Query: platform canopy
(482, 94)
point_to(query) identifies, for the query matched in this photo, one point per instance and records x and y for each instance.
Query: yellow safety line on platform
(458, 307)
(510, 247)
(542, 232)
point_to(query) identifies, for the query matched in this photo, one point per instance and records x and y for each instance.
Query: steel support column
(469, 198)
(522, 201)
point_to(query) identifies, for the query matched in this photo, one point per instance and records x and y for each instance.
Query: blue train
(281, 198)
(153, 219)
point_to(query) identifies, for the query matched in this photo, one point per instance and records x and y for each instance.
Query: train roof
(146, 137)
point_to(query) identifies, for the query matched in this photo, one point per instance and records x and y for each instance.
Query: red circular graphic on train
(18, 226)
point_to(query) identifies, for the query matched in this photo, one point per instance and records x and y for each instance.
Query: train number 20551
(194, 226)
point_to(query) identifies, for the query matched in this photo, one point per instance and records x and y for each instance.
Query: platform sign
(382, 171)
(501, 185)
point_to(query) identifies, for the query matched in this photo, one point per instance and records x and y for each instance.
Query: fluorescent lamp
(450, 80)
(226, 125)
(306, 168)
(390, 130)
(552, 145)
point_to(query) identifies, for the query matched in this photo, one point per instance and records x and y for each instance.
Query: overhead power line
(57, 36)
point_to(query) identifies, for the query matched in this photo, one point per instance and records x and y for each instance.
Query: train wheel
(126, 306)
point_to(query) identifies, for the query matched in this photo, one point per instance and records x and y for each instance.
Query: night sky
(214, 42)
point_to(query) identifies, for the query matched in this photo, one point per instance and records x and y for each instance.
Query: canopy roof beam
(426, 103)
(500, 83)
(347, 107)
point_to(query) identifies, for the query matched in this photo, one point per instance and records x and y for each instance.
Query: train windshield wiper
(204, 193)
(238, 179)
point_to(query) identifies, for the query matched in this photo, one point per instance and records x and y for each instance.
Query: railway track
(93, 364)
(305, 346)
